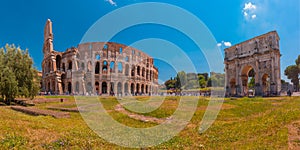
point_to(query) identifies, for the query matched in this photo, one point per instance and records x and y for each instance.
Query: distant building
(97, 68)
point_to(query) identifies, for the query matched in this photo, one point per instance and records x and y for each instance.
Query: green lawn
(246, 123)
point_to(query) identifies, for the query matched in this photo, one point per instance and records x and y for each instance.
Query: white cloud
(249, 6)
(249, 11)
(228, 44)
(112, 2)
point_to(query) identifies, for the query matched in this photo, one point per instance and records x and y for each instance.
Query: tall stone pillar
(123, 88)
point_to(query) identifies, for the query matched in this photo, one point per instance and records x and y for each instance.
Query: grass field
(245, 123)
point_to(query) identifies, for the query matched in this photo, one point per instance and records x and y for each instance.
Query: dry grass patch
(294, 135)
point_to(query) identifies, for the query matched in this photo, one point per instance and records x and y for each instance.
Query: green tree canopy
(202, 81)
(18, 77)
(292, 72)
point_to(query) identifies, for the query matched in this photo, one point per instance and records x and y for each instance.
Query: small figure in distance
(289, 93)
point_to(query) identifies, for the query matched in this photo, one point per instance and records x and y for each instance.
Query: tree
(251, 83)
(298, 61)
(292, 72)
(18, 77)
(170, 84)
(202, 81)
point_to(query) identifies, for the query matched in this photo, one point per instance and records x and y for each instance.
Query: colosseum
(100, 68)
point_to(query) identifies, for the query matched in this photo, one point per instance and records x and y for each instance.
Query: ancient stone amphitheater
(97, 69)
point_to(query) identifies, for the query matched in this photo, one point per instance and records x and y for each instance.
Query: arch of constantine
(254, 65)
(97, 68)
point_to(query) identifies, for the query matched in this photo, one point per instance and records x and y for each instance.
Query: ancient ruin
(257, 59)
(100, 68)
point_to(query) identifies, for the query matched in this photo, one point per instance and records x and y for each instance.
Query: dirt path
(294, 135)
(143, 118)
(36, 112)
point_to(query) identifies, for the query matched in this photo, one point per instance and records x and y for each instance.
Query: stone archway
(126, 88)
(119, 88)
(248, 75)
(132, 89)
(69, 88)
(257, 59)
(97, 86)
(104, 88)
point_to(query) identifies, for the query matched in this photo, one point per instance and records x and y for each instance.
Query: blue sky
(231, 22)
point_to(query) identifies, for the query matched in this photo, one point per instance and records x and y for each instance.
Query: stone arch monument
(258, 60)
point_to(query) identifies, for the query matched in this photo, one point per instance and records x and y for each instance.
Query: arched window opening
(133, 71)
(58, 62)
(142, 89)
(105, 46)
(63, 76)
(49, 67)
(147, 74)
(137, 88)
(48, 88)
(104, 88)
(132, 89)
(120, 67)
(120, 50)
(143, 72)
(63, 86)
(127, 59)
(112, 66)
(126, 88)
(97, 68)
(69, 88)
(104, 67)
(119, 90)
(138, 70)
(70, 65)
(98, 57)
(97, 86)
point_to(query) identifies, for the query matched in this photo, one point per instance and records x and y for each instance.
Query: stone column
(115, 87)
(273, 81)
(54, 64)
(123, 88)
(108, 87)
(93, 72)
